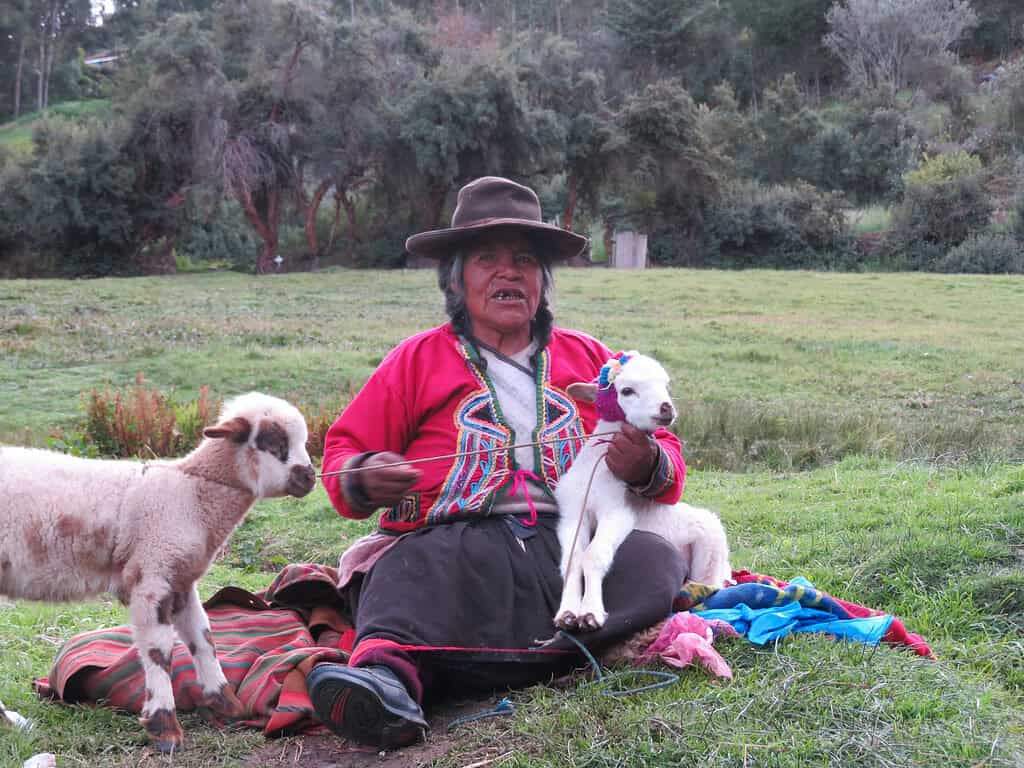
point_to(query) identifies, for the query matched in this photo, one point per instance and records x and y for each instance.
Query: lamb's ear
(583, 391)
(237, 430)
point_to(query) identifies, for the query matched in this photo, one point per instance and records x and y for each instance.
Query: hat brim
(561, 244)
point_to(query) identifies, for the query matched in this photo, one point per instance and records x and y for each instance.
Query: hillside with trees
(291, 134)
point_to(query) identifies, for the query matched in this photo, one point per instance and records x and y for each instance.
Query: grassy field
(863, 431)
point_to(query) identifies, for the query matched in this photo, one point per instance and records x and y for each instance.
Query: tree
(692, 40)
(39, 38)
(15, 34)
(79, 186)
(470, 116)
(548, 67)
(275, 50)
(343, 149)
(999, 31)
(876, 39)
(785, 145)
(666, 166)
(785, 36)
(175, 97)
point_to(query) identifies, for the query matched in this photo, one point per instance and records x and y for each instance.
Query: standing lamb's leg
(148, 611)
(193, 627)
(612, 530)
(567, 615)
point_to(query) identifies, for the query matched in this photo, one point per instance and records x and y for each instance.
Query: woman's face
(503, 280)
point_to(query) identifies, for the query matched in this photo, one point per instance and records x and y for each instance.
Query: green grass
(772, 370)
(16, 136)
(775, 370)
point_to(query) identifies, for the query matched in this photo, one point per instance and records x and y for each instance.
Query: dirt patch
(334, 752)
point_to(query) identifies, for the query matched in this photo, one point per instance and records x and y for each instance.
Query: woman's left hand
(632, 455)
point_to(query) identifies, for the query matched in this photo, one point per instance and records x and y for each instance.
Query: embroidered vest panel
(487, 463)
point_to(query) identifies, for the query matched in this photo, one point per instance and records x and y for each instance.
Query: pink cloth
(361, 555)
(687, 637)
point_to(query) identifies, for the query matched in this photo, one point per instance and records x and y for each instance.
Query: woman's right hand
(386, 486)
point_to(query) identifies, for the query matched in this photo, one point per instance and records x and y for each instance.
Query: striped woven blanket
(266, 643)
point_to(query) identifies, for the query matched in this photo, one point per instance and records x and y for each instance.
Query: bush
(1001, 121)
(217, 237)
(782, 227)
(143, 422)
(319, 418)
(866, 148)
(943, 204)
(985, 254)
(786, 146)
(382, 253)
(942, 168)
(943, 79)
(1018, 218)
(80, 188)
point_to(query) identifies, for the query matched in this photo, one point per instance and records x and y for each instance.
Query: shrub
(140, 421)
(143, 422)
(866, 148)
(943, 168)
(783, 227)
(81, 191)
(1001, 119)
(1017, 216)
(320, 417)
(943, 204)
(943, 79)
(985, 253)
(786, 145)
(216, 237)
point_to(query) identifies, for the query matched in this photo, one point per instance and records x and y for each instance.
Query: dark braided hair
(449, 280)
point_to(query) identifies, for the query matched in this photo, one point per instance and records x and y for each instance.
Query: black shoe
(365, 704)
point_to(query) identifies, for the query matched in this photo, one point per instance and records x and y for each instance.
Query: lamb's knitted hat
(607, 398)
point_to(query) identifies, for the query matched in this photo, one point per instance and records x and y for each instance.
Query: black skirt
(470, 600)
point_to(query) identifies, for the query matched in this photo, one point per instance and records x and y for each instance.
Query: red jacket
(430, 397)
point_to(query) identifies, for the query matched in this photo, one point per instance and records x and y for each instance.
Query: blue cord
(505, 707)
(602, 681)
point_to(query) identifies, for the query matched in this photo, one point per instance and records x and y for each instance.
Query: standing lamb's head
(271, 434)
(630, 387)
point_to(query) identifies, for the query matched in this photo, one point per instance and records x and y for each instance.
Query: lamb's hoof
(588, 622)
(566, 620)
(167, 746)
(164, 731)
(223, 703)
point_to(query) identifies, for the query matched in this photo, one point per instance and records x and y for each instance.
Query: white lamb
(147, 531)
(631, 388)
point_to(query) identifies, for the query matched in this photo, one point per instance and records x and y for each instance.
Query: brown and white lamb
(147, 531)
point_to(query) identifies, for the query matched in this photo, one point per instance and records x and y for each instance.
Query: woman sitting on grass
(463, 577)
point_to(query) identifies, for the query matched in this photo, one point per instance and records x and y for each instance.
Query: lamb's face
(273, 460)
(642, 387)
(284, 468)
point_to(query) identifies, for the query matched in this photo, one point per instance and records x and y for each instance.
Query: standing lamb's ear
(584, 391)
(237, 430)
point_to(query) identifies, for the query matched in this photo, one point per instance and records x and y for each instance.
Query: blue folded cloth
(763, 613)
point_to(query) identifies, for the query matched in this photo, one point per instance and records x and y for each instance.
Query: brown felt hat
(490, 202)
